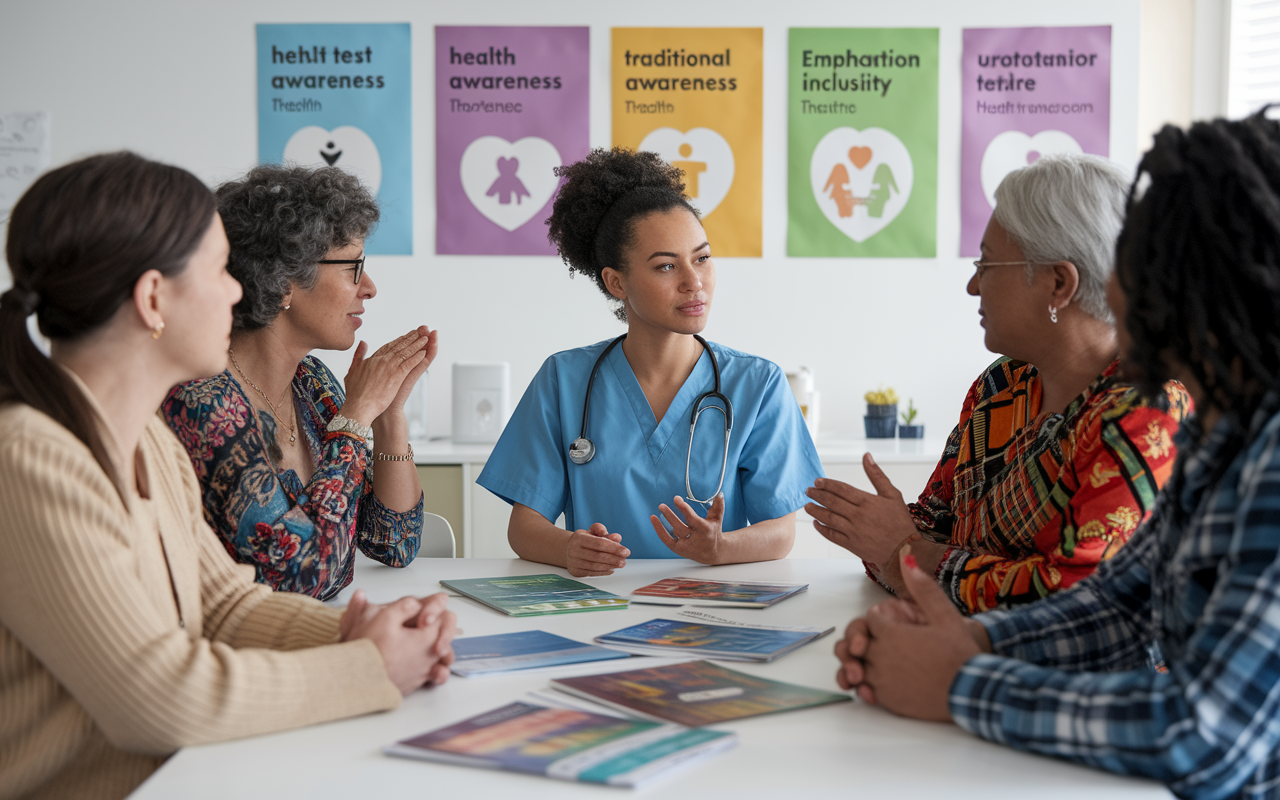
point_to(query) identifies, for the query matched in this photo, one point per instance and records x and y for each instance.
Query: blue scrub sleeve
(527, 465)
(779, 461)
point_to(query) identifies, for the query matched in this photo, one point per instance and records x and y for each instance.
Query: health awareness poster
(693, 96)
(862, 142)
(1027, 92)
(339, 95)
(511, 106)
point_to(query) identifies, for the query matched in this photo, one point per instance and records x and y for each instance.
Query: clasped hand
(904, 654)
(594, 552)
(382, 382)
(694, 537)
(414, 635)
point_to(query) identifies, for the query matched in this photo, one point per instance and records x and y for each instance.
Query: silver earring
(1053, 314)
(286, 308)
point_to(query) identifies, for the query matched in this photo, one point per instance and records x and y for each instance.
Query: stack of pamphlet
(726, 594)
(566, 743)
(528, 595)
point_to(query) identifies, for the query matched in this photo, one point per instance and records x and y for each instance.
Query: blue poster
(338, 94)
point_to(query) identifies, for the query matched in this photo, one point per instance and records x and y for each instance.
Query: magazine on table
(725, 594)
(530, 595)
(693, 693)
(567, 744)
(521, 650)
(704, 635)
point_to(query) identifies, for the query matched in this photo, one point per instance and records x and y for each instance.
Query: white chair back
(437, 537)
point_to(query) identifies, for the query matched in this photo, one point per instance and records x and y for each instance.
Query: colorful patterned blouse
(298, 538)
(1031, 503)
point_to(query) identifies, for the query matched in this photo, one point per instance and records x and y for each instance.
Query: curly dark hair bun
(592, 219)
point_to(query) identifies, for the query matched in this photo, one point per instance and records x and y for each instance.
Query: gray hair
(1067, 207)
(280, 221)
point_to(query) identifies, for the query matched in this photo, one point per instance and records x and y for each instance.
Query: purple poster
(1027, 92)
(511, 106)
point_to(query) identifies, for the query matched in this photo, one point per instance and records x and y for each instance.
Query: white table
(842, 750)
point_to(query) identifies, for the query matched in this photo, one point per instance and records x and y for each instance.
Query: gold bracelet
(406, 457)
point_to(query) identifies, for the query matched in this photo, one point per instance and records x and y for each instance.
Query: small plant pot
(889, 410)
(910, 431)
(880, 427)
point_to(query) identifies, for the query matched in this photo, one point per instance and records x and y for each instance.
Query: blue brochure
(507, 652)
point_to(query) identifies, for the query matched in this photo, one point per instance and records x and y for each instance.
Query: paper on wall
(25, 152)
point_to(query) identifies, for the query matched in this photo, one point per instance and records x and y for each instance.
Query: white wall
(176, 81)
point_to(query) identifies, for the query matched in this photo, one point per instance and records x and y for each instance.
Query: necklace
(289, 423)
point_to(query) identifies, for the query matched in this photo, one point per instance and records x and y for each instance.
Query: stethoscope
(583, 449)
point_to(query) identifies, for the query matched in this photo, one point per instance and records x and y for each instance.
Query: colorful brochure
(566, 744)
(508, 652)
(727, 594)
(694, 693)
(731, 642)
(529, 595)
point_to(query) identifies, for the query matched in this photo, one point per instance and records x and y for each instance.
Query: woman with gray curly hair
(1056, 458)
(284, 454)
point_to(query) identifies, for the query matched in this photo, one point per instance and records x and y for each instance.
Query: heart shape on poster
(346, 147)
(861, 199)
(509, 182)
(1013, 149)
(703, 155)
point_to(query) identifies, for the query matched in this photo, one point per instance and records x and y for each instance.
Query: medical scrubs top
(639, 461)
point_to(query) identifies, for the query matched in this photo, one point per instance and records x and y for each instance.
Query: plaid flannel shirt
(1200, 582)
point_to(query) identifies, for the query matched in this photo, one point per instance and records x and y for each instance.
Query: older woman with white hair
(1056, 458)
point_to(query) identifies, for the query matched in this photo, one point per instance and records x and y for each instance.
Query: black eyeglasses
(359, 263)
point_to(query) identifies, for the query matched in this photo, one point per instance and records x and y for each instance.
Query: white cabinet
(479, 519)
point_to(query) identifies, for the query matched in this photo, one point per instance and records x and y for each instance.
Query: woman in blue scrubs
(621, 218)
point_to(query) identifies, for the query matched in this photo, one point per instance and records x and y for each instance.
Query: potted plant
(882, 410)
(906, 430)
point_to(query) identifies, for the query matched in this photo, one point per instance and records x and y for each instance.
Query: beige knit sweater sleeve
(85, 587)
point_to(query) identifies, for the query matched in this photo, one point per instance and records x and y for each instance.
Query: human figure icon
(691, 169)
(837, 188)
(508, 183)
(881, 184)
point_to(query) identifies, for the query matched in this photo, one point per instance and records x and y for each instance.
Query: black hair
(79, 239)
(1199, 261)
(280, 221)
(593, 218)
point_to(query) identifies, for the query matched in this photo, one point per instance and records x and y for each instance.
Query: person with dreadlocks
(627, 477)
(1197, 287)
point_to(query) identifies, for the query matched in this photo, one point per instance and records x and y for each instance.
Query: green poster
(862, 171)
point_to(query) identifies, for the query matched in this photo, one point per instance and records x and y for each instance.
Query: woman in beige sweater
(126, 629)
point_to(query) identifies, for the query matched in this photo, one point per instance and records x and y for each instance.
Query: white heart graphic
(704, 156)
(346, 147)
(861, 200)
(509, 182)
(1013, 149)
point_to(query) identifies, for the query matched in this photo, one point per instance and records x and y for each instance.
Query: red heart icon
(860, 156)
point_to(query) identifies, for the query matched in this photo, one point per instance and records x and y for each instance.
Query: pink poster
(511, 106)
(1027, 92)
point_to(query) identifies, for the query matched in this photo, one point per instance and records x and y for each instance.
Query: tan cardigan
(99, 678)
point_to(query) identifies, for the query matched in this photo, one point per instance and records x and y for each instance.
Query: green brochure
(530, 595)
(862, 143)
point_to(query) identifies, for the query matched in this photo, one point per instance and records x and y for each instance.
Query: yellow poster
(693, 96)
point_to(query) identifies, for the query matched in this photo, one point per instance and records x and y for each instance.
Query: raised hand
(595, 552)
(375, 383)
(694, 537)
(871, 526)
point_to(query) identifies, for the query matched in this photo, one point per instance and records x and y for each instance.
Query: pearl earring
(157, 330)
(1053, 314)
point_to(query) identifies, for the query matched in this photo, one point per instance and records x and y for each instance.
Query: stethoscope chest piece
(582, 450)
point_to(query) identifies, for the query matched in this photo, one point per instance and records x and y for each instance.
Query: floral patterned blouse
(1031, 503)
(299, 538)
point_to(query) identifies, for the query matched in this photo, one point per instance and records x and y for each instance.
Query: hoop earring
(157, 330)
(1053, 314)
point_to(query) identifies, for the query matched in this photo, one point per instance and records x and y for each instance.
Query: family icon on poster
(509, 182)
(346, 147)
(861, 179)
(703, 155)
